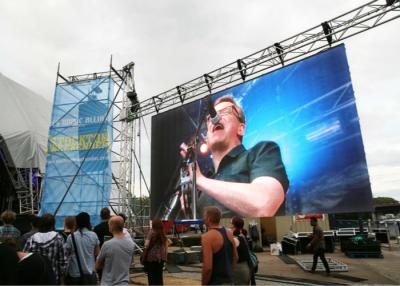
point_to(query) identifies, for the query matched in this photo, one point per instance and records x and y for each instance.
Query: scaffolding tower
(125, 122)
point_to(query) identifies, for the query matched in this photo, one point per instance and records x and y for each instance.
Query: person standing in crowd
(101, 229)
(87, 248)
(115, 255)
(69, 226)
(8, 230)
(28, 269)
(243, 273)
(128, 234)
(8, 264)
(156, 248)
(34, 269)
(317, 245)
(35, 224)
(49, 243)
(126, 231)
(219, 251)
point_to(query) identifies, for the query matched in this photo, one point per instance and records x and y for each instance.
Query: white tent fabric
(24, 123)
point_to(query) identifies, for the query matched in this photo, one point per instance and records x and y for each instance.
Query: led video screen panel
(301, 152)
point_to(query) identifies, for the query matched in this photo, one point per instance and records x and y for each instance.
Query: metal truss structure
(311, 41)
(129, 113)
(21, 180)
(124, 166)
(27, 193)
(123, 182)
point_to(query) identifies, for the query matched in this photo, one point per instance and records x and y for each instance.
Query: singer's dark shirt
(243, 166)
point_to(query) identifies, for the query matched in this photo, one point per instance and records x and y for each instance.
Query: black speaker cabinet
(329, 243)
(365, 245)
(381, 235)
(305, 240)
(289, 245)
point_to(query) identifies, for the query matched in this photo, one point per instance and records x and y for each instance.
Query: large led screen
(296, 149)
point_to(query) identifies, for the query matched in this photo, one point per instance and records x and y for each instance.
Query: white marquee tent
(24, 123)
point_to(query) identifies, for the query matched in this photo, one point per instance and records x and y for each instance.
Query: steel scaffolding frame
(27, 194)
(311, 41)
(122, 151)
(123, 183)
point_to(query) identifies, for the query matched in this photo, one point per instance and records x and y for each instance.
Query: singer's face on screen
(228, 131)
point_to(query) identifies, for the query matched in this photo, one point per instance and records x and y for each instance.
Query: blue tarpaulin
(78, 163)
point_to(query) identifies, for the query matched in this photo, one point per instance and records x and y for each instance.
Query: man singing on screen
(250, 183)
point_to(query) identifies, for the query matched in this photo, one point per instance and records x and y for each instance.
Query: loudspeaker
(365, 245)
(381, 235)
(329, 244)
(303, 242)
(289, 245)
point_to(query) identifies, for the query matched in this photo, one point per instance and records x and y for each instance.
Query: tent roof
(24, 123)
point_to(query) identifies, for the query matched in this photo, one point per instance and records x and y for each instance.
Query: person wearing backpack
(242, 271)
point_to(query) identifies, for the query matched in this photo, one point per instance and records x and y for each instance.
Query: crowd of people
(78, 255)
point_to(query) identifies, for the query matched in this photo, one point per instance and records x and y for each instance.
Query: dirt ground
(169, 279)
(274, 271)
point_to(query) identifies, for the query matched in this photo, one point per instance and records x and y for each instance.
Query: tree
(141, 205)
(384, 201)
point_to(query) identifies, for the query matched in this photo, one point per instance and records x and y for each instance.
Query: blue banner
(79, 158)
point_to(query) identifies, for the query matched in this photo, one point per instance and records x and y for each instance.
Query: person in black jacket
(8, 264)
(249, 183)
(24, 268)
(101, 229)
(34, 269)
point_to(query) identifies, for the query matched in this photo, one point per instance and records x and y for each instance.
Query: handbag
(85, 279)
(253, 260)
(143, 258)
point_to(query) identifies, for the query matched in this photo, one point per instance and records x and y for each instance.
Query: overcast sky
(172, 42)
